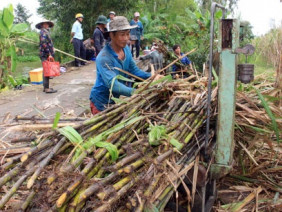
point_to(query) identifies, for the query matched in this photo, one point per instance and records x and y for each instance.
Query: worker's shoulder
(104, 56)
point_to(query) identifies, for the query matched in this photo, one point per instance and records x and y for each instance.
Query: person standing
(112, 14)
(136, 34)
(98, 35)
(114, 54)
(77, 40)
(46, 49)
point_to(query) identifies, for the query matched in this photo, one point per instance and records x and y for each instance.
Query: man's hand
(142, 38)
(158, 77)
(71, 40)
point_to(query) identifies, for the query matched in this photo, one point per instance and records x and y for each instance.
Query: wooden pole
(126, 72)
(278, 83)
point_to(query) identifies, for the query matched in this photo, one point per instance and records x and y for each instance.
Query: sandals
(49, 90)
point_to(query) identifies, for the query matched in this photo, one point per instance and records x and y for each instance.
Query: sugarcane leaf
(258, 129)
(156, 134)
(215, 75)
(71, 134)
(56, 120)
(272, 98)
(123, 78)
(150, 208)
(112, 149)
(270, 114)
(167, 78)
(176, 143)
(118, 101)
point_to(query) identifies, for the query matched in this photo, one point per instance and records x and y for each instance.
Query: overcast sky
(262, 14)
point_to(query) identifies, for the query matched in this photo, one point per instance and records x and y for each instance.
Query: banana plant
(9, 33)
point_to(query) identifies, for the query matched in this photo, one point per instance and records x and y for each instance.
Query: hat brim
(101, 22)
(39, 25)
(122, 29)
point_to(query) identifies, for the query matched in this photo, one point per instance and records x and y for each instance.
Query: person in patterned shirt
(46, 49)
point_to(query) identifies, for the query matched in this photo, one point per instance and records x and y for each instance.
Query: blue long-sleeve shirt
(136, 32)
(184, 61)
(106, 76)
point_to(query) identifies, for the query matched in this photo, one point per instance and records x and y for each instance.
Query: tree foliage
(183, 22)
(21, 14)
(9, 33)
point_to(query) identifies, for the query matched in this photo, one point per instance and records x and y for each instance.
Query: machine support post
(228, 42)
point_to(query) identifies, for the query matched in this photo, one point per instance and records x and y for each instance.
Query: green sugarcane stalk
(45, 162)
(86, 193)
(10, 162)
(126, 160)
(28, 201)
(15, 187)
(15, 171)
(148, 192)
(70, 190)
(192, 133)
(107, 113)
(89, 191)
(119, 195)
(128, 169)
(36, 149)
(10, 175)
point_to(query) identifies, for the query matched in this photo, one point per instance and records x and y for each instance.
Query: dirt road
(72, 97)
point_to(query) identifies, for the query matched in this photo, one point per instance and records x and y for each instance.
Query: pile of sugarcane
(129, 157)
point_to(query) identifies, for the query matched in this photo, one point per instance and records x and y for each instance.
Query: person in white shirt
(77, 40)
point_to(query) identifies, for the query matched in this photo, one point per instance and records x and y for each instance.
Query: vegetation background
(184, 22)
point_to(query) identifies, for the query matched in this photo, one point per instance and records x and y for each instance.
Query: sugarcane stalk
(36, 149)
(28, 201)
(148, 192)
(119, 195)
(95, 187)
(45, 162)
(15, 187)
(70, 190)
(10, 175)
(125, 161)
(10, 162)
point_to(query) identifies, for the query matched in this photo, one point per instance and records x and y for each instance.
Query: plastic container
(36, 76)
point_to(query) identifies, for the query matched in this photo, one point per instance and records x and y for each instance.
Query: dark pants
(45, 79)
(79, 51)
(137, 47)
(89, 54)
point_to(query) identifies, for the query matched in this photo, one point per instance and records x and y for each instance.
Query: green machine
(228, 48)
(227, 45)
(230, 71)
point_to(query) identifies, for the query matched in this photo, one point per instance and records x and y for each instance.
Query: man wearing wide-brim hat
(98, 35)
(46, 49)
(115, 54)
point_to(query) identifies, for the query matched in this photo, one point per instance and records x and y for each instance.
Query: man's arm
(106, 69)
(133, 68)
(141, 29)
(73, 30)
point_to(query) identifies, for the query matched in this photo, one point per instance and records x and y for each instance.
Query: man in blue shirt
(181, 70)
(77, 40)
(136, 34)
(114, 54)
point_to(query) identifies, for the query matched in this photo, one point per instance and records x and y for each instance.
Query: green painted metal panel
(226, 108)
